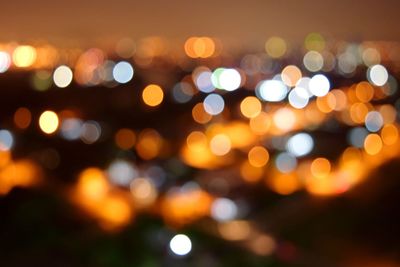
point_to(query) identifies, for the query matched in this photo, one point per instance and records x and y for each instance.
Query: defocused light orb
(271, 90)
(152, 95)
(285, 162)
(300, 144)
(275, 47)
(229, 79)
(373, 121)
(250, 107)
(290, 75)
(42, 80)
(62, 76)
(224, 209)
(180, 245)
(5, 61)
(319, 85)
(121, 172)
(24, 56)
(22, 118)
(123, 72)
(347, 63)
(203, 81)
(182, 92)
(284, 119)
(371, 56)
(258, 156)
(6, 140)
(313, 61)
(71, 128)
(314, 41)
(373, 144)
(378, 75)
(91, 132)
(220, 144)
(125, 138)
(356, 136)
(298, 97)
(125, 48)
(213, 104)
(48, 122)
(143, 191)
(320, 167)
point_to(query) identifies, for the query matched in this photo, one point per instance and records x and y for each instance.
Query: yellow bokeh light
(275, 47)
(373, 144)
(48, 122)
(93, 184)
(250, 173)
(152, 95)
(261, 123)
(220, 144)
(258, 156)
(250, 107)
(364, 92)
(320, 167)
(200, 115)
(24, 56)
(149, 144)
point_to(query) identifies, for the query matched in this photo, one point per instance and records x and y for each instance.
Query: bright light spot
(123, 72)
(300, 144)
(213, 104)
(224, 209)
(220, 144)
(290, 75)
(121, 172)
(71, 128)
(298, 97)
(180, 245)
(153, 95)
(62, 76)
(48, 122)
(143, 191)
(250, 107)
(229, 79)
(285, 162)
(6, 140)
(5, 61)
(271, 90)
(378, 75)
(373, 121)
(319, 85)
(24, 56)
(313, 61)
(91, 132)
(284, 119)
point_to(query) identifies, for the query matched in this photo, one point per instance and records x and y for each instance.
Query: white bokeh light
(213, 104)
(62, 76)
(223, 209)
(229, 79)
(319, 85)
(6, 140)
(298, 97)
(123, 72)
(300, 144)
(180, 245)
(5, 61)
(377, 75)
(271, 90)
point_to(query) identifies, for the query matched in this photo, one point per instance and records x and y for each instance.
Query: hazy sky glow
(246, 21)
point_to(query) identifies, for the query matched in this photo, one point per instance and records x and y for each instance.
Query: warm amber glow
(390, 134)
(373, 144)
(21, 173)
(200, 115)
(199, 47)
(320, 167)
(48, 122)
(364, 92)
(93, 184)
(149, 144)
(125, 138)
(152, 95)
(22, 118)
(250, 107)
(234, 230)
(261, 123)
(258, 156)
(143, 191)
(250, 173)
